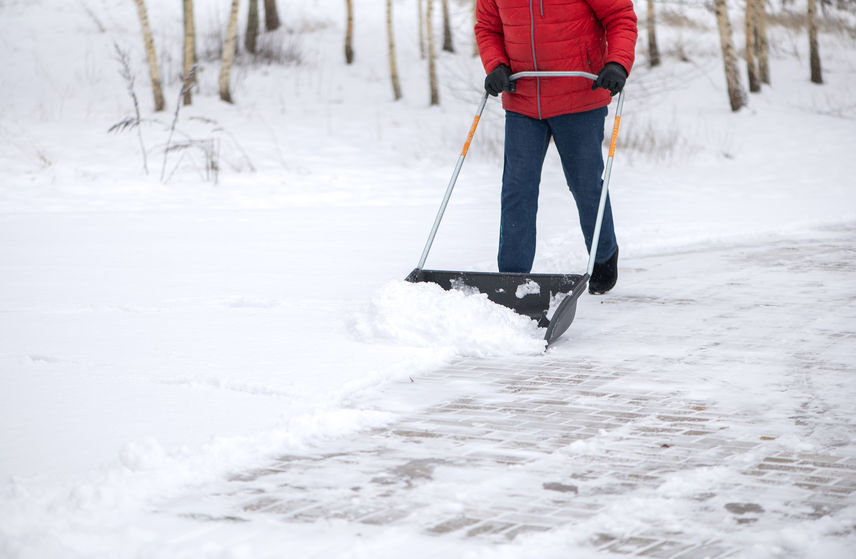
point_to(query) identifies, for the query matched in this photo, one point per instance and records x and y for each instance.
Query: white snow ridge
(453, 322)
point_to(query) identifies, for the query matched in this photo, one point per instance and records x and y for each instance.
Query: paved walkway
(645, 453)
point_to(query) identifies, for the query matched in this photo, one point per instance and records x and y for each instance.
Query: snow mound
(461, 322)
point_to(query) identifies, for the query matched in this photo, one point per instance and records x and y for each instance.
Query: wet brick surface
(632, 455)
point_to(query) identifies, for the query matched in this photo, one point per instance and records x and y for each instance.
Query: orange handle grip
(470, 136)
(614, 136)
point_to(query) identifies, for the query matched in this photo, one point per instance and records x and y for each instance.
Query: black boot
(604, 275)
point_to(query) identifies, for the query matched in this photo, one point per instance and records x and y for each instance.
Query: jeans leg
(526, 141)
(579, 139)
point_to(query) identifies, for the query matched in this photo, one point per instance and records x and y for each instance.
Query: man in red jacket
(595, 36)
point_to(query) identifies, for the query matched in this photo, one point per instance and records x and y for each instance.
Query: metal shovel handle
(546, 74)
(607, 172)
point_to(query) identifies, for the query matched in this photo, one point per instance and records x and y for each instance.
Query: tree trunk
(653, 51)
(751, 65)
(151, 55)
(393, 67)
(761, 43)
(432, 57)
(252, 34)
(736, 95)
(421, 29)
(814, 53)
(229, 53)
(271, 16)
(189, 49)
(475, 42)
(349, 32)
(447, 29)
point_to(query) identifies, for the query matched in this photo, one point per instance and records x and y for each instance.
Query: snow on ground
(153, 334)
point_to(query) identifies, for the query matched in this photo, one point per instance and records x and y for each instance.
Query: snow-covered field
(155, 334)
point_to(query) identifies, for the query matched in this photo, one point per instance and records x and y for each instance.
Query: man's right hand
(499, 80)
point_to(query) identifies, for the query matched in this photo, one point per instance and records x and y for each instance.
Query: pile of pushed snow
(463, 322)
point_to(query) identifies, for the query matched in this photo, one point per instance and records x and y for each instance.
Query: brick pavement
(626, 456)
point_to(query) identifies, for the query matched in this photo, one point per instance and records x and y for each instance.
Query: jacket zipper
(534, 59)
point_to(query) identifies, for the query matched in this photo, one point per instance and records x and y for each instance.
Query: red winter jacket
(563, 35)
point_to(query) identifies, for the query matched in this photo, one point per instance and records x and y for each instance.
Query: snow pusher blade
(526, 294)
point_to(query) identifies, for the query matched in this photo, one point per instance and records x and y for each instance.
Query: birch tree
(432, 57)
(751, 63)
(151, 55)
(421, 29)
(447, 28)
(349, 32)
(650, 23)
(393, 66)
(762, 44)
(252, 34)
(189, 49)
(475, 42)
(272, 22)
(229, 53)
(814, 52)
(736, 95)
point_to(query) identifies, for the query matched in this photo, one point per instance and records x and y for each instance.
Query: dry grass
(274, 48)
(271, 48)
(797, 21)
(664, 141)
(676, 49)
(309, 26)
(681, 21)
(659, 143)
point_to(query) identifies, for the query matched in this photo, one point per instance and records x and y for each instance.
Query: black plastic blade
(526, 294)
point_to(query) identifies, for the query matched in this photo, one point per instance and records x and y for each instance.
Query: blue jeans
(578, 137)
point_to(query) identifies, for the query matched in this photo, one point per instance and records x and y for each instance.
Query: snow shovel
(527, 294)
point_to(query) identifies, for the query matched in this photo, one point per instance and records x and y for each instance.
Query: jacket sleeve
(489, 35)
(619, 21)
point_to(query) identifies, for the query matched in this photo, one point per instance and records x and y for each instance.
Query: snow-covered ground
(157, 334)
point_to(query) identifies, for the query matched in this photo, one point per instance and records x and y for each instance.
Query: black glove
(612, 77)
(499, 80)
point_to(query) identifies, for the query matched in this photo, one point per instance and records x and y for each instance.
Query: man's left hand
(612, 77)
